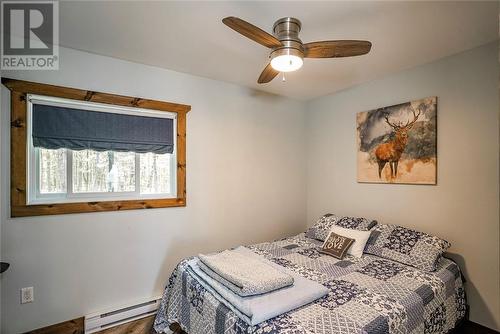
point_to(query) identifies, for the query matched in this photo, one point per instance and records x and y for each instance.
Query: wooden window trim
(19, 90)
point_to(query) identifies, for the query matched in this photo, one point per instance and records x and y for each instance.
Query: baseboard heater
(120, 315)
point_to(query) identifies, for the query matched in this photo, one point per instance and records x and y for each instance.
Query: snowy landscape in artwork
(397, 144)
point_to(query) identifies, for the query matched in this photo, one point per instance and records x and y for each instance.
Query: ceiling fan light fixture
(287, 50)
(287, 60)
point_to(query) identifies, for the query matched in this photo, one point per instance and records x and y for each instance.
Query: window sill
(99, 197)
(81, 207)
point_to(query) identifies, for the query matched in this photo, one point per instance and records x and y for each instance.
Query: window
(70, 174)
(95, 174)
(85, 151)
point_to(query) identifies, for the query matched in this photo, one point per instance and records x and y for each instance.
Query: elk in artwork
(391, 151)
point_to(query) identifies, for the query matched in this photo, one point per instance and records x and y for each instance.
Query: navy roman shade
(75, 129)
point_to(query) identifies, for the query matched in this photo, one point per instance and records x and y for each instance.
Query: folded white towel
(234, 288)
(243, 274)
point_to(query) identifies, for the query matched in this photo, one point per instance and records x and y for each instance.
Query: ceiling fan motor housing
(287, 31)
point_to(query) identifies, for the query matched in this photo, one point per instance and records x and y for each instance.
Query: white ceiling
(189, 37)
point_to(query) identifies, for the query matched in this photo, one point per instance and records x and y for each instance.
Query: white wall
(245, 184)
(464, 207)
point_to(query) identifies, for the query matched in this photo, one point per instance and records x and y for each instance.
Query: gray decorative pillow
(410, 247)
(321, 228)
(356, 223)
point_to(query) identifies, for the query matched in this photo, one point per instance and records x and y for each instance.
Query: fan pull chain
(283, 77)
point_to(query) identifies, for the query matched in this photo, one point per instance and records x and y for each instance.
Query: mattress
(367, 295)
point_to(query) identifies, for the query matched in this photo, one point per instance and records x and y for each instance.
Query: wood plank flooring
(470, 327)
(145, 326)
(75, 326)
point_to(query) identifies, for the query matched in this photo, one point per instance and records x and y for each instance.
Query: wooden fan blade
(267, 74)
(254, 33)
(333, 49)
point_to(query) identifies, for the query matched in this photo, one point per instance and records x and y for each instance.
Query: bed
(366, 295)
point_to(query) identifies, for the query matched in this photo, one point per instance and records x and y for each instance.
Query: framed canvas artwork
(397, 144)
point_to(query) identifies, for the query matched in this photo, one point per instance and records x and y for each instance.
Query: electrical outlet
(27, 295)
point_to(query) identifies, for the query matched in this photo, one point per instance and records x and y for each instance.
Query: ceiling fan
(287, 50)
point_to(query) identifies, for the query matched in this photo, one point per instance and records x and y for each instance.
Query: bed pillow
(321, 228)
(357, 223)
(336, 245)
(360, 239)
(410, 247)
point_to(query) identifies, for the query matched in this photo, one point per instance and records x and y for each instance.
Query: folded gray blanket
(243, 274)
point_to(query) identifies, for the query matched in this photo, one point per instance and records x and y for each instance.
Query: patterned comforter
(367, 295)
